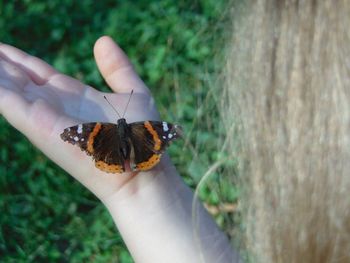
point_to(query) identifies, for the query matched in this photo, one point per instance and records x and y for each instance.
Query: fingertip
(101, 40)
(99, 44)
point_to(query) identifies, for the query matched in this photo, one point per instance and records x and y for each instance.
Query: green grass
(46, 216)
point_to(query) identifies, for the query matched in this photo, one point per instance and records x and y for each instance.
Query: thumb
(116, 68)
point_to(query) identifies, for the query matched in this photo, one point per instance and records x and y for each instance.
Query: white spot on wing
(165, 126)
(164, 137)
(76, 138)
(80, 128)
(170, 136)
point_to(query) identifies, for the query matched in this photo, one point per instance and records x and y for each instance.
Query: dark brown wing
(101, 141)
(149, 140)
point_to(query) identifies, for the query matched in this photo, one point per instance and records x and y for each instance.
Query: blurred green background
(176, 47)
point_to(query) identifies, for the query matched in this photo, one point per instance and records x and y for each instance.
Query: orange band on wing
(157, 141)
(109, 168)
(155, 158)
(90, 142)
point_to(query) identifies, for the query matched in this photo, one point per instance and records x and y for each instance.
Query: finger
(38, 70)
(116, 68)
(12, 77)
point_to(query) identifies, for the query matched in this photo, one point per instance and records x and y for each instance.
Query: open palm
(40, 102)
(153, 210)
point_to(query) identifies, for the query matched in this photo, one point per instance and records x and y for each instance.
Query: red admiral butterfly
(110, 145)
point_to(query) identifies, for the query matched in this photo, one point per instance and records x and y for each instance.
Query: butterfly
(110, 145)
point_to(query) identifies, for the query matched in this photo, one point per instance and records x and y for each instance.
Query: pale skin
(153, 209)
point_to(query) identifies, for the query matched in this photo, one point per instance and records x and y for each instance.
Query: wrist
(144, 189)
(154, 214)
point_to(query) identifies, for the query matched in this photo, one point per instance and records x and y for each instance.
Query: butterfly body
(111, 145)
(123, 131)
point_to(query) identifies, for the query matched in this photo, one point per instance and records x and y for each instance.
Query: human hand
(40, 102)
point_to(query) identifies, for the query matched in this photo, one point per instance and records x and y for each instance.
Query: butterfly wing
(149, 140)
(101, 141)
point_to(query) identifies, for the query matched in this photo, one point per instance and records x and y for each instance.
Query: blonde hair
(288, 85)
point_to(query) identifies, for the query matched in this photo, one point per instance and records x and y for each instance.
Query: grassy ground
(46, 216)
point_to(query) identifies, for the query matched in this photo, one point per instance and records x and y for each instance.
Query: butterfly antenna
(111, 106)
(132, 91)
